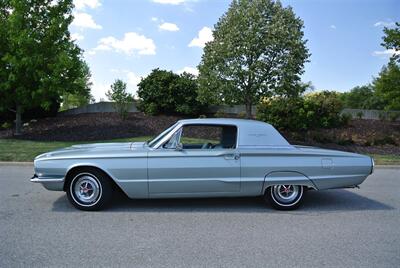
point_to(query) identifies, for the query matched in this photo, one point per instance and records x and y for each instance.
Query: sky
(126, 39)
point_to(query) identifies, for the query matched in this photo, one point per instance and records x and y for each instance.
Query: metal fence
(107, 107)
(372, 114)
(98, 107)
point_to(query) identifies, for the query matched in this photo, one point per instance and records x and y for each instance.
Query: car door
(191, 170)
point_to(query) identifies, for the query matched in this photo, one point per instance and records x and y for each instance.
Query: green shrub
(316, 110)
(284, 113)
(6, 125)
(393, 116)
(323, 109)
(360, 114)
(345, 119)
(382, 116)
(150, 108)
(242, 114)
(220, 114)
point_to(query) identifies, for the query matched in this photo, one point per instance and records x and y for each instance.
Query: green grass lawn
(386, 159)
(23, 150)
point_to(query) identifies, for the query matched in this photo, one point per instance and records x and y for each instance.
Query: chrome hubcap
(285, 194)
(87, 189)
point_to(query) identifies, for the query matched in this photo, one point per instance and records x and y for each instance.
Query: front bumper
(50, 183)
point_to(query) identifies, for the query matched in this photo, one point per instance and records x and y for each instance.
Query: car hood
(107, 145)
(97, 150)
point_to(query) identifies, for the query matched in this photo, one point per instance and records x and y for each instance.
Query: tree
(38, 61)
(258, 51)
(164, 92)
(391, 40)
(387, 85)
(120, 97)
(70, 101)
(83, 97)
(362, 97)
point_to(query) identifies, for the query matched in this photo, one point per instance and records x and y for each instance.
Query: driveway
(335, 228)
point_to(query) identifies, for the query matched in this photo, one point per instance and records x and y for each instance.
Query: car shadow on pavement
(315, 201)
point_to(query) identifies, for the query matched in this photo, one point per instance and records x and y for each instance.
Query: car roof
(251, 132)
(225, 121)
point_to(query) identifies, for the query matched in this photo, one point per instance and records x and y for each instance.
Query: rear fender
(287, 177)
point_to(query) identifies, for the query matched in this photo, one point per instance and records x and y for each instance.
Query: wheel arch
(82, 167)
(287, 177)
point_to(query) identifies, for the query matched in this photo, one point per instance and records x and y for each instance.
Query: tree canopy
(258, 51)
(387, 85)
(38, 60)
(362, 97)
(164, 92)
(391, 40)
(82, 97)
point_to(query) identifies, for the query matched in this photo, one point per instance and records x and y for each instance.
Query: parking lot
(335, 228)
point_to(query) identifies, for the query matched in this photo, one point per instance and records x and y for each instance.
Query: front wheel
(284, 197)
(89, 190)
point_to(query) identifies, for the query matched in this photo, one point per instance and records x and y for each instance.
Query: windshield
(154, 141)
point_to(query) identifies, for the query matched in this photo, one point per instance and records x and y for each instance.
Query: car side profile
(211, 157)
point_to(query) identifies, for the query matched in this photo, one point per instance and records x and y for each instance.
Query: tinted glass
(208, 137)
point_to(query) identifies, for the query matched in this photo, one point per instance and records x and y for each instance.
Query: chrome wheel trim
(86, 189)
(286, 195)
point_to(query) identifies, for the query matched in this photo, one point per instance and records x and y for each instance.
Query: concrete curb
(388, 166)
(4, 163)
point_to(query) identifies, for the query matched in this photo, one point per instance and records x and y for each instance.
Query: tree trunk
(18, 120)
(248, 110)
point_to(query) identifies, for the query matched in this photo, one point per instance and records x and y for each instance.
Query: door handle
(234, 156)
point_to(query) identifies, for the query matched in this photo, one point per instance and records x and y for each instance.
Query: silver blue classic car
(200, 158)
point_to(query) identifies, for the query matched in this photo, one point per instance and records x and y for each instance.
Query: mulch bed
(91, 127)
(360, 136)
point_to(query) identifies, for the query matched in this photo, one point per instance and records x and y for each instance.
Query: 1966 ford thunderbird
(200, 158)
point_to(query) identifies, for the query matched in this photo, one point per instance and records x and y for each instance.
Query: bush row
(314, 110)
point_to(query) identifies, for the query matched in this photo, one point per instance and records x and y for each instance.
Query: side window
(208, 137)
(173, 142)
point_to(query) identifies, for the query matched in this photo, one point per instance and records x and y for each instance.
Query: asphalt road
(336, 228)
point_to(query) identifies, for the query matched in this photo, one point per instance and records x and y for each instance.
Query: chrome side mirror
(179, 147)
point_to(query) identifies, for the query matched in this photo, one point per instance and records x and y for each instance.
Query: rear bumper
(50, 183)
(372, 165)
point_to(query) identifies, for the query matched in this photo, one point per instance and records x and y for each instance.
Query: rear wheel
(285, 197)
(89, 189)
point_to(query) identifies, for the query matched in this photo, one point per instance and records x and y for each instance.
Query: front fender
(129, 176)
(93, 165)
(287, 177)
